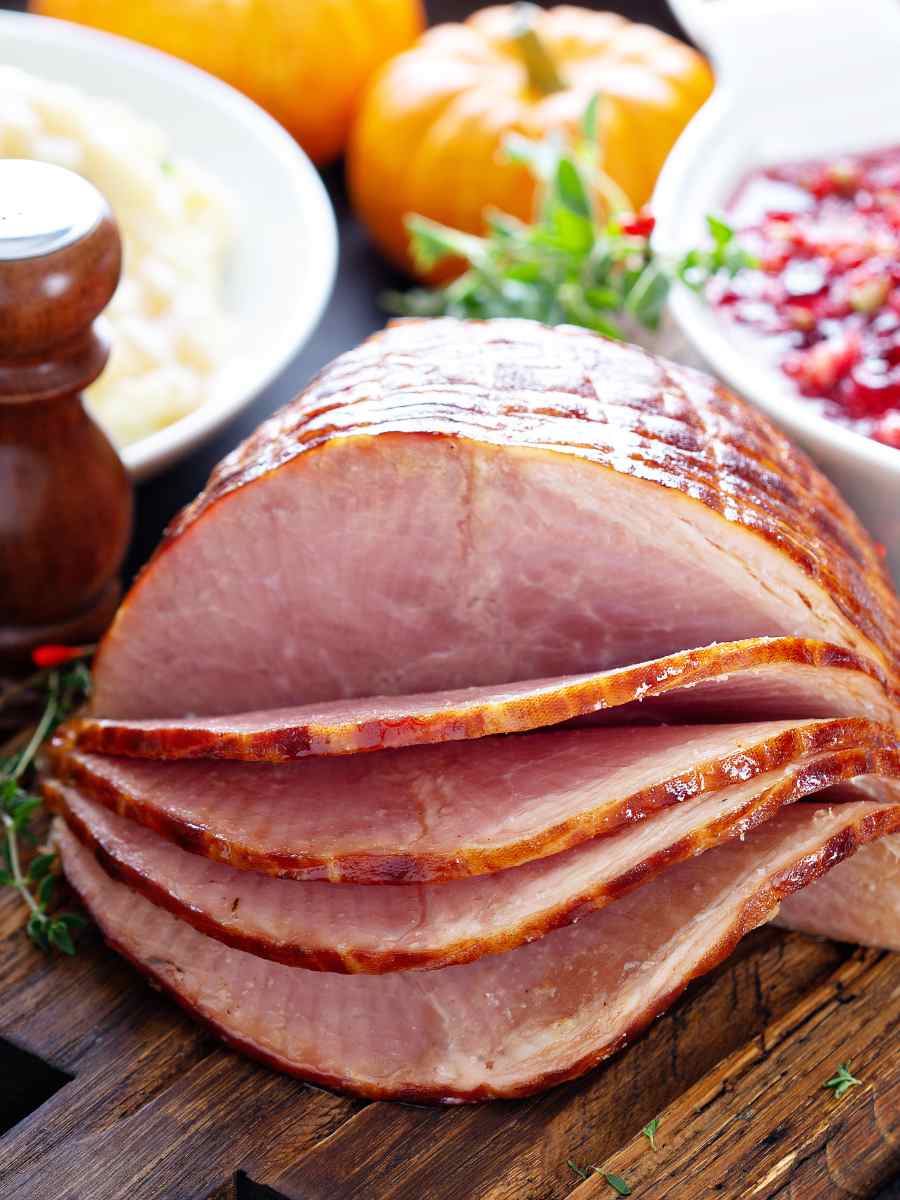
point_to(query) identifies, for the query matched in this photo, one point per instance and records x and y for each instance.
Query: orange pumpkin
(430, 130)
(306, 61)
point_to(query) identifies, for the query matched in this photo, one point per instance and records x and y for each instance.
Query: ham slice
(400, 927)
(859, 902)
(455, 809)
(463, 504)
(506, 1025)
(758, 678)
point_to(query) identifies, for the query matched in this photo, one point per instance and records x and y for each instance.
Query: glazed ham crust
(459, 504)
(756, 678)
(359, 928)
(504, 1026)
(430, 813)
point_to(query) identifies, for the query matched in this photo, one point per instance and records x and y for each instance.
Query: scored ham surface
(860, 902)
(458, 504)
(454, 809)
(754, 679)
(506, 1025)
(398, 928)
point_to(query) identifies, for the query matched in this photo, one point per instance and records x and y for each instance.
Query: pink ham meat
(451, 810)
(758, 678)
(463, 504)
(507, 1025)
(859, 902)
(397, 928)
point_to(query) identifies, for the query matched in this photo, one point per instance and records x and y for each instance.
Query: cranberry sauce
(825, 293)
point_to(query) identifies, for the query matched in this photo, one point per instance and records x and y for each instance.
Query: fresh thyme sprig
(619, 1185)
(586, 260)
(842, 1081)
(36, 882)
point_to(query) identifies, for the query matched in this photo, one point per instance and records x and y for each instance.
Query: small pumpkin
(306, 61)
(429, 134)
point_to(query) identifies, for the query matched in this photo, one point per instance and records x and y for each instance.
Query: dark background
(352, 314)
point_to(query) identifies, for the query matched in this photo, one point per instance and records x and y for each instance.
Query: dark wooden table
(109, 1093)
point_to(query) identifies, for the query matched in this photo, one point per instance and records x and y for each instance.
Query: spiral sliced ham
(396, 928)
(758, 678)
(450, 810)
(463, 530)
(454, 505)
(506, 1025)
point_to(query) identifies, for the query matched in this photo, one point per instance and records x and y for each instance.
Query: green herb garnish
(36, 883)
(616, 1182)
(842, 1081)
(649, 1132)
(587, 259)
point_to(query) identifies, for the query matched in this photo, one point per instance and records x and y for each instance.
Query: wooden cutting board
(108, 1092)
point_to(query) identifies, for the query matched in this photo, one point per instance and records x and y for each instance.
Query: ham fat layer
(460, 808)
(756, 679)
(506, 1025)
(400, 927)
(459, 504)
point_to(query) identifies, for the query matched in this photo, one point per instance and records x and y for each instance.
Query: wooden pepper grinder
(65, 498)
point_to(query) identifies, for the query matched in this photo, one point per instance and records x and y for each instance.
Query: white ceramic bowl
(795, 79)
(285, 257)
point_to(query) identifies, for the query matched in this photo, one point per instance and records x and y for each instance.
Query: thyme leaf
(842, 1081)
(649, 1132)
(616, 1182)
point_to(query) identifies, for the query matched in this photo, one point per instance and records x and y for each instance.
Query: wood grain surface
(140, 1104)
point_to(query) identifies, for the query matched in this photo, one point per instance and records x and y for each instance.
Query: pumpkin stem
(543, 75)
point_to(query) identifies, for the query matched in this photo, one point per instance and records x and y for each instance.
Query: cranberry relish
(825, 291)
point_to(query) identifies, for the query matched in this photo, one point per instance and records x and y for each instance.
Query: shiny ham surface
(456, 809)
(354, 928)
(859, 902)
(507, 1025)
(460, 504)
(757, 678)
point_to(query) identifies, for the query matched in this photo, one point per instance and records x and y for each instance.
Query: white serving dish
(795, 79)
(285, 258)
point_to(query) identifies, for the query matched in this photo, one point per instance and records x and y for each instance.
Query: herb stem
(40, 730)
(19, 882)
(614, 197)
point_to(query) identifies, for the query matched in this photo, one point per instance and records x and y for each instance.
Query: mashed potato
(170, 332)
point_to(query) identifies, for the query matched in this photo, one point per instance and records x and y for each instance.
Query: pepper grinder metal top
(65, 498)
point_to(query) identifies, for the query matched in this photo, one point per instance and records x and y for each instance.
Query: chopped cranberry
(816, 371)
(801, 316)
(870, 389)
(825, 293)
